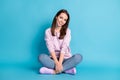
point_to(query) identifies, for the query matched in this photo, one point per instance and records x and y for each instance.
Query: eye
(61, 17)
(65, 19)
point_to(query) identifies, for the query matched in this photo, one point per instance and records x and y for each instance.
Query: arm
(61, 58)
(64, 47)
(50, 46)
(54, 57)
(58, 64)
(66, 41)
(49, 41)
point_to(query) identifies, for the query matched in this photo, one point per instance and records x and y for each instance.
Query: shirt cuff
(62, 52)
(51, 50)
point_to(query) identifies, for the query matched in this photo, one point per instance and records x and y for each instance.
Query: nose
(63, 22)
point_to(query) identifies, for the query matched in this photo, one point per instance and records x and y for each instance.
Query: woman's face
(61, 19)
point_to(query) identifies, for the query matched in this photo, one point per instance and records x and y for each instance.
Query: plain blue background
(95, 27)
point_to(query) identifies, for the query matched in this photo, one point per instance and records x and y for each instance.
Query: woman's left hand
(59, 68)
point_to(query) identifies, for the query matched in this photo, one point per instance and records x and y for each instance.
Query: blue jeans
(69, 63)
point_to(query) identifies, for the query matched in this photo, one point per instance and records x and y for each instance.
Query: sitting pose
(57, 39)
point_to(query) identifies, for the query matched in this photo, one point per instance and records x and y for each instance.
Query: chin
(59, 26)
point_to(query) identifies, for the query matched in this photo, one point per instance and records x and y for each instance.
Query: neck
(58, 28)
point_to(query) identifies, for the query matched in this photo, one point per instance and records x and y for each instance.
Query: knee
(78, 58)
(42, 57)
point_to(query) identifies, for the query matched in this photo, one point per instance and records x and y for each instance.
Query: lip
(60, 24)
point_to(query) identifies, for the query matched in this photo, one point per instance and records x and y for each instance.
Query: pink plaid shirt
(54, 44)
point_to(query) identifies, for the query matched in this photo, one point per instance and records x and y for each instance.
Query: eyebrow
(62, 17)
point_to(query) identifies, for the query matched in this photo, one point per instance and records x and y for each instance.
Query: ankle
(71, 71)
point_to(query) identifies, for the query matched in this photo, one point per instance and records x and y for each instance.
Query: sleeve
(49, 41)
(66, 41)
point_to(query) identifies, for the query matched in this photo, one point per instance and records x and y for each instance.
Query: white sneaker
(45, 70)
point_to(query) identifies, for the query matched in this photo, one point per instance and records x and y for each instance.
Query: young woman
(57, 40)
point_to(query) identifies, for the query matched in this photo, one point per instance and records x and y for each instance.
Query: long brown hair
(64, 27)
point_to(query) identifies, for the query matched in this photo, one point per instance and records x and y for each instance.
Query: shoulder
(68, 30)
(48, 30)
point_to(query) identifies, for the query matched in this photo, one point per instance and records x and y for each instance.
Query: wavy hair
(64, 27)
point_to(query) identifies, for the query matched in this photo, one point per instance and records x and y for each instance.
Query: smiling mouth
(60, 23)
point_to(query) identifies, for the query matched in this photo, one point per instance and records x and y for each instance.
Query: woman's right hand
(58, 65)
(58, 68)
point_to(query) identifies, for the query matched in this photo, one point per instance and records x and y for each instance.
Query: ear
(56, 17)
